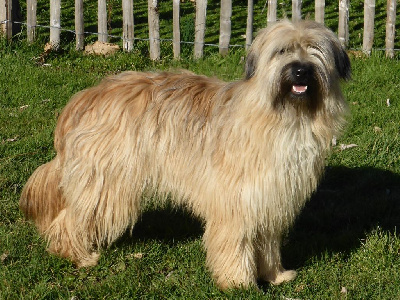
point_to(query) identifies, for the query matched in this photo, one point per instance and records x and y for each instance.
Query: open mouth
(299, 89)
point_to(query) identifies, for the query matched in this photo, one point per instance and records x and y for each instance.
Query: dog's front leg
(230, 254)
(269, 264)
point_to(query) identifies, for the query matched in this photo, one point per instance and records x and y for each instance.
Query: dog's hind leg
(41, 199)
(100, 204)
(230, 255)
(69, 239)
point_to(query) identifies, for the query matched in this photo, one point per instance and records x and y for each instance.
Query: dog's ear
(342, 63)
(251, 64)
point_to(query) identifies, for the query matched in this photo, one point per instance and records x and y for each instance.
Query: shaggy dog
(243, 156)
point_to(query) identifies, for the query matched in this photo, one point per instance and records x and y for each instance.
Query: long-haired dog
(243, 156)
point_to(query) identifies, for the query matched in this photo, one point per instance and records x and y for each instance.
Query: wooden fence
(7, 8)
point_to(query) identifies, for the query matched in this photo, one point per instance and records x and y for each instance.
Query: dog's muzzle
(301, 75)
(299, 86)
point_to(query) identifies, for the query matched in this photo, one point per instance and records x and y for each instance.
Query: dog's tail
(41, 199)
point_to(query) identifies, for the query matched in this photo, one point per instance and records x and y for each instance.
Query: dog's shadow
(348, 203)
(168, 224)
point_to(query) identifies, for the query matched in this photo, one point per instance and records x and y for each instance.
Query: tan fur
(243, 156)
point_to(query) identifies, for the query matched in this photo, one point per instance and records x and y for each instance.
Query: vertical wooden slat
(6, 17)
(390, 27)
(343, 30)
(10, 19)
(369, 15)
(200, 27)
(249, 26)
(102, 21)
(154, 29)
(271, 14)
(320, 11)
(79, 25)
(128, 25)
(225, 26)
(55, 23)
(3, 16)
(296, 10)
(176, 34)
(31, 19)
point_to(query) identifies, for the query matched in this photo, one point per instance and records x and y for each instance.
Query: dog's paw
(87, 261)
(284, 276)
(228, 285)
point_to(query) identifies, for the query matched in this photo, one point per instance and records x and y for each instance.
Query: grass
(344, 245)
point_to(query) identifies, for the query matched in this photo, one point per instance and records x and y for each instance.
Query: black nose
(301, 71)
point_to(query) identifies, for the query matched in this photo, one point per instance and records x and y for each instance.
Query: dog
(243, 156)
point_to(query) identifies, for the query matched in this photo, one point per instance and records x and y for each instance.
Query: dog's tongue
(299, 89)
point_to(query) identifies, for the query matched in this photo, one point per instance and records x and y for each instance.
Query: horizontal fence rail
(8, 23)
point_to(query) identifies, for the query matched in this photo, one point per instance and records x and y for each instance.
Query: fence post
(128, 25)
(343, 30)
(369, 15)
(102, 21)
(249, 26)
(296, 10)
(3, 16)
(390, 27)
(200, 27)
(10, 19)
(225, 26)
(55, 23)
(176, 29)
(320, 11)
(271, 14)
(6, 17)
(31, 19)
(154, 30)
(79, 25)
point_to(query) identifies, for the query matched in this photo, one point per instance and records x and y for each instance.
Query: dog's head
(297, 63)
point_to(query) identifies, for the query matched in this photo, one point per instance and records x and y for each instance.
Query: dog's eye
(282, 51)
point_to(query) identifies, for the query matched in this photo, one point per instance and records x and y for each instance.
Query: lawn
(344, 244)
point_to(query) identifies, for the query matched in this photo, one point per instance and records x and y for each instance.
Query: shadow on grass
(168, 225)
(348, 204)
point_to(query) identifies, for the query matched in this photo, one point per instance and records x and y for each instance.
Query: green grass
(344, 245)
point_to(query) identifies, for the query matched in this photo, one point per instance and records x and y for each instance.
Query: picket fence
(8, 7)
